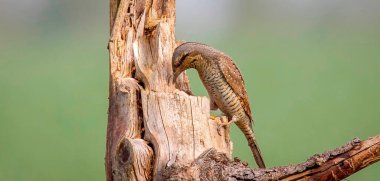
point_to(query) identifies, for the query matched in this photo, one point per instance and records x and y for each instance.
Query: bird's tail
(256, 152)
(248, 132)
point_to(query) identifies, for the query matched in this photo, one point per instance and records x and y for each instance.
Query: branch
(331, 165)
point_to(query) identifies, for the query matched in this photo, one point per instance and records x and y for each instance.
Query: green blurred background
(312, 70)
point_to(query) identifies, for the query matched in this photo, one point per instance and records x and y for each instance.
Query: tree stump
(152, 125)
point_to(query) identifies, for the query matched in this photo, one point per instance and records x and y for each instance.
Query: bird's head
(184, 58)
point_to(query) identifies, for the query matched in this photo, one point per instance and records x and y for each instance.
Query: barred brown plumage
(224, 84)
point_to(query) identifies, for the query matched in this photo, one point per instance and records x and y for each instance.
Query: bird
(224, 84)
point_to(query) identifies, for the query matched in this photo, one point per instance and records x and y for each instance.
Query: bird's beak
(176, 74)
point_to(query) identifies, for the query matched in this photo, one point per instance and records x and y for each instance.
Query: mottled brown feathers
(232, 75)
(230, 71)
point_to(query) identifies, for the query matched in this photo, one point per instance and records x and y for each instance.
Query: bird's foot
(226, 123)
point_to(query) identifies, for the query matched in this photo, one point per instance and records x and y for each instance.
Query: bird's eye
(182, 59)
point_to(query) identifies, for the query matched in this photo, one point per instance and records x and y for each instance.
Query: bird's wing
(233, 77)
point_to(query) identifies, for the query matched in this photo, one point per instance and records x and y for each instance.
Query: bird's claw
(226, 123)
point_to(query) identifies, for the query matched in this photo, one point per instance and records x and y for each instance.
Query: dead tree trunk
(155, 132)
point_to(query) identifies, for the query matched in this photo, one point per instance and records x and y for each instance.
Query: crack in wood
(163, 124)
(192, 123)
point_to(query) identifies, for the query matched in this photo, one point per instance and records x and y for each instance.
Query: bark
(331, 165)
(156, 132)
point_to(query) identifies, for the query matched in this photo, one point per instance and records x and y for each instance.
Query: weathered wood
(331, 165)
(179, 128)
(123, 114)
(123, 117)
(125, 122)
(340, 166)
(143, 98)
(153, 57)
(134, 160)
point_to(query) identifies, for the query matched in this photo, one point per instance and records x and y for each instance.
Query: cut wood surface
(179, 128)
(157, 131)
